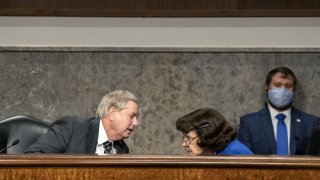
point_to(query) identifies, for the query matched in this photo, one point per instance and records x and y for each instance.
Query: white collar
(274, 112)
(102, 136)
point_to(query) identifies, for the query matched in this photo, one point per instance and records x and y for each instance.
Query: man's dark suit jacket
(72, 134)
(256, 131)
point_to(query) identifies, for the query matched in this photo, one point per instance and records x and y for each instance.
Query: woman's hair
(213, 130)
(116, 99)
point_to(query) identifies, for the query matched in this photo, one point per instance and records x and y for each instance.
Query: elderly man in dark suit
(278, 128)
(116, 118)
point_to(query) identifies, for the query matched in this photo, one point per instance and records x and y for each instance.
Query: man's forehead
(130, 107)
(283, 76)
(131, 102)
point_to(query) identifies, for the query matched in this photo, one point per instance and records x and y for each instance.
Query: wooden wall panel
(161, 8)
(157, 167)
(156, 173)
(279, 4)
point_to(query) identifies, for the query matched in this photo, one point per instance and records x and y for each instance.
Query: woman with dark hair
(207, 132)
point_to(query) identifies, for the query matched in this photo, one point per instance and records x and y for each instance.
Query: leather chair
(22, 129)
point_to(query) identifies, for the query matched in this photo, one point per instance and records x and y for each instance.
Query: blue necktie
(107, 147)
(282, 136)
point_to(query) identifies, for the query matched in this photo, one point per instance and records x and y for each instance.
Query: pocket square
(298, 120)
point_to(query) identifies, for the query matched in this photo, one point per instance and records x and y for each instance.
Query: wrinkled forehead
(131, 106)
(191, 133)
(279, 76)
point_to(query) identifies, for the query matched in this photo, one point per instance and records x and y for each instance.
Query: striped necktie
(107, 147)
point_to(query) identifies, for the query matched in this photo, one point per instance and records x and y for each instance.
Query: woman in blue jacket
(207, 132)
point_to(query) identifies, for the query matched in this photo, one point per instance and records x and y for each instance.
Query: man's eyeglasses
(188, 140)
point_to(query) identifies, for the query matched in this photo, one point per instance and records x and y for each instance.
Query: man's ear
(111, 112)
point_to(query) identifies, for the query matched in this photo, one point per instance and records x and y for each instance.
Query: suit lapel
(266, 122)
(92, 135)
(121, 147)
(295, 128)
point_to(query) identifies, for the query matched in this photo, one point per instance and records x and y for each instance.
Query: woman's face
(190, 142)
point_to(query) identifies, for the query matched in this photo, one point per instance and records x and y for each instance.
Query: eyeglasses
(188, 140)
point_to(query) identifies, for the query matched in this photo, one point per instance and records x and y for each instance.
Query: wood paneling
(278, 4)
(160, 160)
(161, 8)
(155, 173)
(157, 167)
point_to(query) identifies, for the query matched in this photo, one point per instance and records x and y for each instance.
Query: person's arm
(244, 135)
(56, 140)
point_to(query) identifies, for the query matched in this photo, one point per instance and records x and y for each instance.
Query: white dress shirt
(102, 137)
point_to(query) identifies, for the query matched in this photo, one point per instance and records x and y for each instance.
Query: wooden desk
(157, 167)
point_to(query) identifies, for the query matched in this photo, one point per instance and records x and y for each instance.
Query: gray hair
(117, 99)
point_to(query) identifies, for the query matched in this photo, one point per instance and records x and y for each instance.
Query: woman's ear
(198, 141)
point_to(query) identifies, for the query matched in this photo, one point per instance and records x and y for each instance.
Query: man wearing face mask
(278, 128)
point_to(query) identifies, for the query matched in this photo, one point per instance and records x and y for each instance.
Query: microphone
(14, 142)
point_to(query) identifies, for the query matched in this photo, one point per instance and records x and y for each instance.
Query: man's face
(125, 120)
(279, 80)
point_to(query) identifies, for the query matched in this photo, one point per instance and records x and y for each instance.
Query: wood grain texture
(139, 173)
(157, 167)
(161, 8)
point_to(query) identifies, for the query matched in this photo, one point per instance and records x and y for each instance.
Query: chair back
(25, 129)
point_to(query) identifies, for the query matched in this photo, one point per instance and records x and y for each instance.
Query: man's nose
(135, 121)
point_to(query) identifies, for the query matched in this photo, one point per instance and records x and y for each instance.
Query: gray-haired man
(116, 118)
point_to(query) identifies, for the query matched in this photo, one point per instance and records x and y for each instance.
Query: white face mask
(280, 97)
